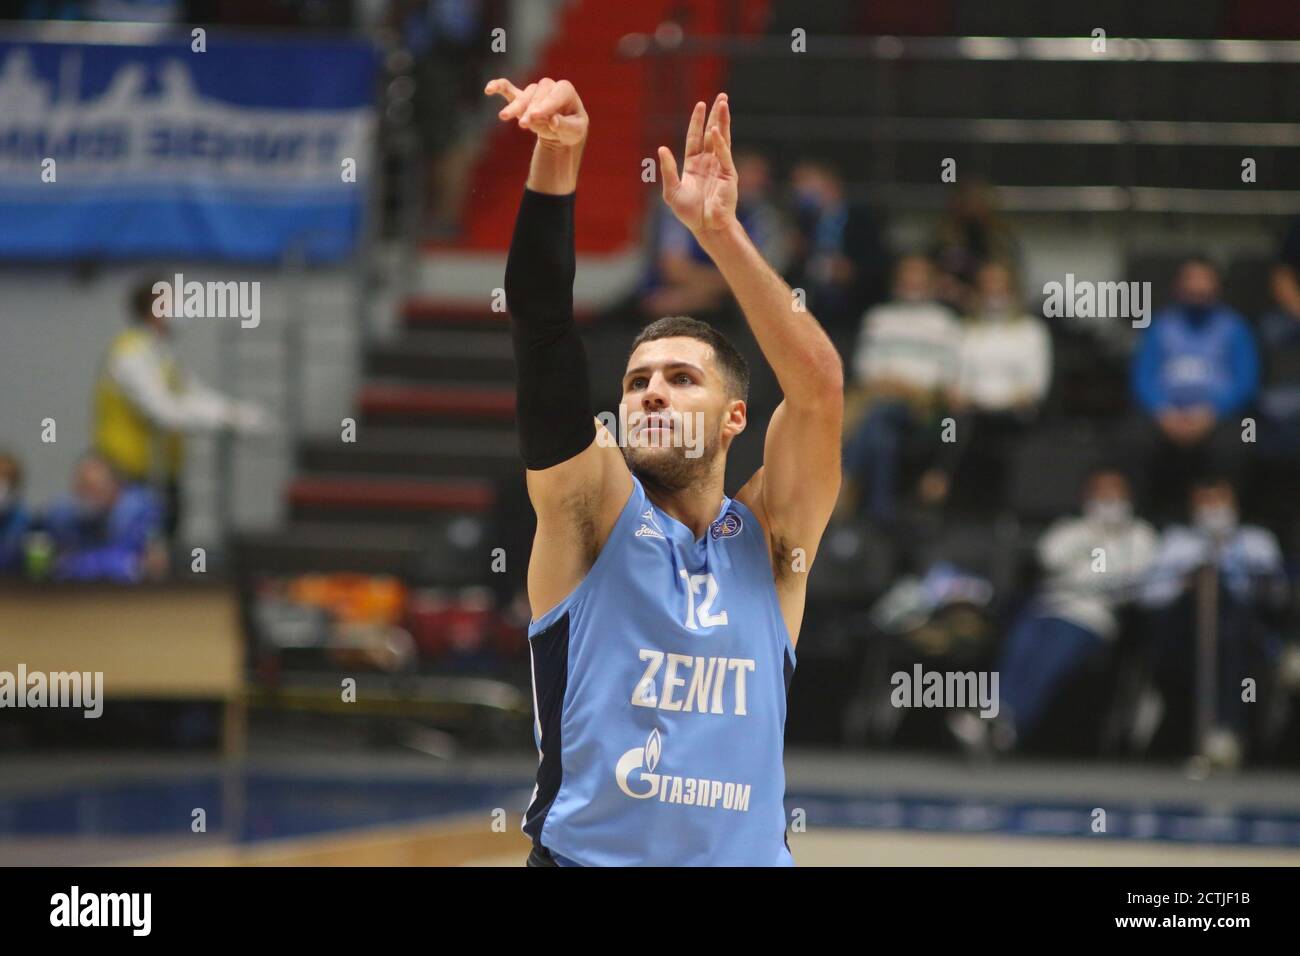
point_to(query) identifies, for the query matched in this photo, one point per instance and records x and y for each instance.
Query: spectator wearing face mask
(15, 521)
(1004, 371)
(1251, 586)
(106, 530)
(1195, 373)
(1093, 565)
(906, 360)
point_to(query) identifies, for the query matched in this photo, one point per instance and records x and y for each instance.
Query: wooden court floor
(468, 842)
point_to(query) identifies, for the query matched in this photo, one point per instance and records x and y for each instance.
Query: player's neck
(695, 506)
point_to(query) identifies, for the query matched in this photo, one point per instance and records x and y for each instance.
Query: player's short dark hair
(734, 367)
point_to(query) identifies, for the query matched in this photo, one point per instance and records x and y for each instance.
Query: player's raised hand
(703, 196)
(549, 108)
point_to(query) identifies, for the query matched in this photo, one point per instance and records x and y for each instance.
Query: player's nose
(655, 396)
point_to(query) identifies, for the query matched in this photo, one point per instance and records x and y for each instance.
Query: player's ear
(736, 418)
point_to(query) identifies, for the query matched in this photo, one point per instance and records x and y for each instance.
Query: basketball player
(665, 614)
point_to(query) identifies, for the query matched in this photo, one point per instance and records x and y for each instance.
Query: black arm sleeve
(553, 395)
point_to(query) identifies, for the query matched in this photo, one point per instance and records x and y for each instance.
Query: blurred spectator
(970, 235)
(1005, 368)
(1247, 571)
(682, 279)
(144, 401)
(839, 256)
(1006, 353)
(906, 360)
(1280, 331)
(1193, 374)
(1093, 565)
(106, 530)
(14, 518)
(447, 39)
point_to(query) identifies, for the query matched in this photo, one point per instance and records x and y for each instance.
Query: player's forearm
(554, 169)
(552, 394)
(540, 265)
(806, 364)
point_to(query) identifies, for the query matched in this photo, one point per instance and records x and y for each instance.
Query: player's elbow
(821, 393)
(826, 380)
(835, 374)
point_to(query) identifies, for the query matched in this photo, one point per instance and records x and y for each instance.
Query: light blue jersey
(659, 689)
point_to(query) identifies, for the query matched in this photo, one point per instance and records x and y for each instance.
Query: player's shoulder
(751, 497)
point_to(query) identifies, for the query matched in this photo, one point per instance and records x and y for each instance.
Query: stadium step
(449, 551)
(455, 404)
(420, 314)
(618, 90)
(371, 497)
(444, 354)
(424, 314)
(427, 452)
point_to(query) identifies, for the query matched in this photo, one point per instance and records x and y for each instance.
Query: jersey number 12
(701, 613)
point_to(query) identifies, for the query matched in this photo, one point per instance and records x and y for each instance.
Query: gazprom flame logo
(635, 759)
(653, 747)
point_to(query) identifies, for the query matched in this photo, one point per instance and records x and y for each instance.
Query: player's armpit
(578, 503)
(595, 476)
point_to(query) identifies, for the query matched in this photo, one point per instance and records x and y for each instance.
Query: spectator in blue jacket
(1195, 375)
(106, 530)
(14, 518)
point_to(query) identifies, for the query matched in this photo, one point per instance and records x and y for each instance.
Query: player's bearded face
(676, 408)
(672, 448)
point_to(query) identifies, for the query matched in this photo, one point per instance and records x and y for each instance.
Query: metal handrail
(669, 45)
(1097, 132)
(670, 42)
(1096, 199)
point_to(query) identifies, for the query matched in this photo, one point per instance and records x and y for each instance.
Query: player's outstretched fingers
(544, 87)
(719, 148)
(668, 172)
(724, 118)
(713, 110)
(561, 98)
(695, 132)
(519, 103)
(502, 87)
